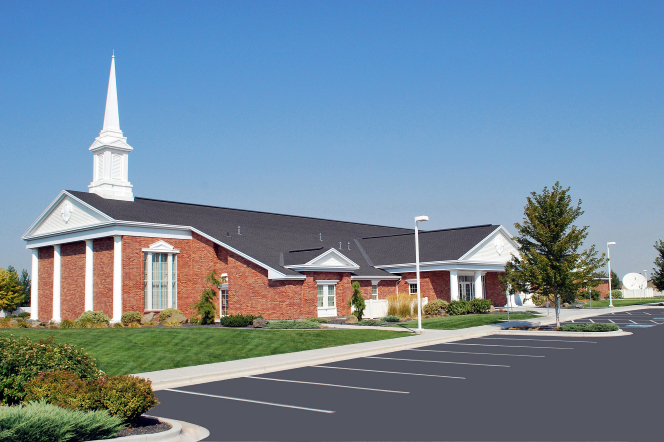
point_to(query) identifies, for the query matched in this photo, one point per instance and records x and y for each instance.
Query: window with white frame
(484, 286)
(374, 292)
(412, 289)
(156, 270)
(326, 295)
(224, 302)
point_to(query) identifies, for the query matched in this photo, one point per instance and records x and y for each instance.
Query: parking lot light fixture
(608, 255)
(417, 269)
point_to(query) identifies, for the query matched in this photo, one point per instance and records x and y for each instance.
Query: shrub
(596, 327)
(372, 322)
(539, 300)
(118, 325)
(459, 307)
(92, 318)
(165, 314)
(101, 325)
(306, 324)
(320, 320)
(479, 305)
(24, 315)
(391, 318)
(127, 396)
(129, 317)
(617, 294)
(5, 323)
(134, 325)
(42, 422)
(595, 294)
(170, 323)
(434, 307)
(150, 324)
(22, 359)
(357, 301)
(67, 323)
(206, 308)
(401, 305)
(238, 320)
(22, 323)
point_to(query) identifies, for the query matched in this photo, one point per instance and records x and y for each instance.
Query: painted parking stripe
(327, 385)
(611, 321)
(508, 346)
(632, 321)
(541, 340)
(591, 320)
(475, 353)
(273, 404)
(389, 372)
(436, 362)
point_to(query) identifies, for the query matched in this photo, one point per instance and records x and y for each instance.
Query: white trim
(117, 278)
(34, 288)
(57, 282)
(312, 267)
(149, 281)
(109, 231)
(411, 281)
(161, 247)
(375, 278)
(327, 281)
(486, 239)
(89, 275)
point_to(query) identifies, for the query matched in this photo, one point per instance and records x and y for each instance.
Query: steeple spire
(112, 116)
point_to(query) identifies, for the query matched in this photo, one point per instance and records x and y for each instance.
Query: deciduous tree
(550, 261)
(658, 271)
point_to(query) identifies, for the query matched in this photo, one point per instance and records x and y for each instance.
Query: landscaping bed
(145, 425)
(594, 327)
(464, 321)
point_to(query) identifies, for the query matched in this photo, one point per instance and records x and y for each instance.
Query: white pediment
(161, 247)
(496, 248)
(330, 261)
(66, 213)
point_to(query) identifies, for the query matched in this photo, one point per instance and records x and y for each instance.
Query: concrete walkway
(180, 377)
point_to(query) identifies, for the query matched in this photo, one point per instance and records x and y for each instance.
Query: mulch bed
(145, 425)
(538, 328)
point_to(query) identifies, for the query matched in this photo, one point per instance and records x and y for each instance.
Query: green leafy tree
(11, 291)
(357, 301)
(206, 308)
(658, 271)
(615, 281)
(550, 261)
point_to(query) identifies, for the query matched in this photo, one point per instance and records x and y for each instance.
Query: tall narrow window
(374, 291)
(321, 296)
(224, 302)
(155, 283)
(116, 170)
(100, 166)
(326, 295)
(483, 286)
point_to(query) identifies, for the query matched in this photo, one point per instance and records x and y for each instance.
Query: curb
(611, 334)
(180, 432)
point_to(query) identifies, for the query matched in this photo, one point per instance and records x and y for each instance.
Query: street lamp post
(608, 253)
(417, 267)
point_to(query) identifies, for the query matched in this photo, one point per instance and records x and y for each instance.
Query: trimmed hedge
(42, 422)
(372, 322)
(596, 327)
(91, 319)
(301, 325)
(459, 307)
(391, 318)
(238, 320)
(434, 307)
(129, 317)
(22, 359)
(479, 305)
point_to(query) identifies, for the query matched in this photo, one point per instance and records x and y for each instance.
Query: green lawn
(464, 321)
(122, 351)
(622, 302)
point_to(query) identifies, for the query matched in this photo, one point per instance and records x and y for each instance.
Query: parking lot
(492, 388)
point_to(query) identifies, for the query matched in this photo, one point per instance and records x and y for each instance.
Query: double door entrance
(466, 287)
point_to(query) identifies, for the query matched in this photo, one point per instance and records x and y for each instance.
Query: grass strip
(622, 302)
(126, 350)
(464, 321)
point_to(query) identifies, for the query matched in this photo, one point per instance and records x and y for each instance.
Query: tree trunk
(557, 311)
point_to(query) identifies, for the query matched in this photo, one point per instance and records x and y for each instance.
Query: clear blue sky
(365, 111)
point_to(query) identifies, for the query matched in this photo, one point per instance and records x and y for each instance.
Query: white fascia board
(375, 278)
(335, 252)
(305, 268)
(54, 203)
(449, 265)
(481, 243)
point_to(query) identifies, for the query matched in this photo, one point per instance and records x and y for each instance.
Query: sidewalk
(180, 377)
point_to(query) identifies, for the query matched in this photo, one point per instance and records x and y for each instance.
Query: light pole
(417, 267)
(608, 253)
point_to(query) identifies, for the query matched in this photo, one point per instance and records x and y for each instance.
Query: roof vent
(320, 236)
(340, 248)
(348, 245)
(238, 230)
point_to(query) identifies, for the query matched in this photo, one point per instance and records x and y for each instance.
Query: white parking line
(611, 321)
(476, 353)
(540, 340)
(317, 410)
(632, 321)
(389, 372)
(591, 320)
(436, 362)
(508, 346)
(328, 385)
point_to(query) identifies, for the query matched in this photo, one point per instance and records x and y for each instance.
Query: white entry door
(327, 300)
(466, 288)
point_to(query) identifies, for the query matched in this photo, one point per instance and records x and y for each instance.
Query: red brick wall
(72, 282)
(102, 280)
(495, 291)
(434, 285)
(45, 301)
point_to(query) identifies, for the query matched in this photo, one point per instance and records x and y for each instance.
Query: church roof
(279, 240)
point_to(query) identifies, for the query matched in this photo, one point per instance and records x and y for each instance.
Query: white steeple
(110, 178)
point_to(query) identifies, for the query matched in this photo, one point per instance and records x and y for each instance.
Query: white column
(89, 259)
(478, 285)
(149, 283)
(117, 278)
(170, 280)
(454, 285)
(56, 283)
(34, 288)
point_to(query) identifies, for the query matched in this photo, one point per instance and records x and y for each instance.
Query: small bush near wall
(92, 319)
(129, 317)
(479, 306)
(320, 320)
(42, 422)
(596, 327)
(165, 314)
(457, 308)
(434, 307)
(595, 294)
(372, 322)
(238, 320)
(300, 325)
(22, 359)
(391, 318)
(67, 323)
(616, 294)
(24, 315)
